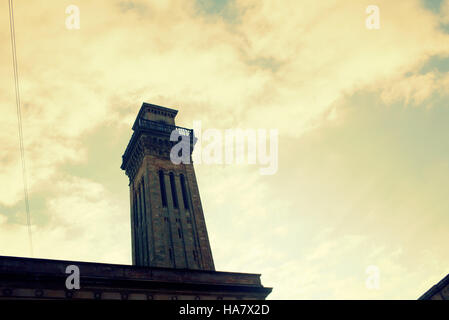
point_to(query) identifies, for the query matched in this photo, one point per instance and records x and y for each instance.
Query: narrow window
(194, 255)
(136, 232)
(184, 192)
(173, 190)
(144, 219)
(141, 225)
(139, 207)
(179, 233)
(162, 185)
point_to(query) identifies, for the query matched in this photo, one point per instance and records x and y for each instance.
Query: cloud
(310, 69)
(415, 89)
(179, 58)
(77, 214)
(445, 11)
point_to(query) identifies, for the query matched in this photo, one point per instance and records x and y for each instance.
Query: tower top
(167, 221)
(157, 113)
(158, 123)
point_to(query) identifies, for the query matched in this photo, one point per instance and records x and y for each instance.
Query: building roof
(50, 274)
(435, 289)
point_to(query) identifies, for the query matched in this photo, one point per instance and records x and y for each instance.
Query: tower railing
(160, 126)
(156, 127)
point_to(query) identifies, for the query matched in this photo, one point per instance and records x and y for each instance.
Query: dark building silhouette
(168, 226)
(171, 254)
(440, 291)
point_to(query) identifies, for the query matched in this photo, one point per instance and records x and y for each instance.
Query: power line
(19, 121)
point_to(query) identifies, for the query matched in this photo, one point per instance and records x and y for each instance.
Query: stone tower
(172, 258)
(167, 221)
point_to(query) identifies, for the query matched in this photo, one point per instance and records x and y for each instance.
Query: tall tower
(172, 258)
(167, 221)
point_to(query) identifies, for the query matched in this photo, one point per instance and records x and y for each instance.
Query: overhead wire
(19, 122)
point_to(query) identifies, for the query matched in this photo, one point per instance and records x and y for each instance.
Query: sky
(362, 114)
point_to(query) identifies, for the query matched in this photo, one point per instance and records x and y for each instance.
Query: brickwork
(440, 291)
(174, 235)
(27, 278)
(171, 254)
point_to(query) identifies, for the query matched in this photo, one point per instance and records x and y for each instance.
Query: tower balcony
(160, 127)
(156, 128)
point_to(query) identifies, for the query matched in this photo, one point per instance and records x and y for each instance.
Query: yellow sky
(362, 118)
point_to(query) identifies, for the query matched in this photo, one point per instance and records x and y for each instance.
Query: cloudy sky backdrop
(362, 116)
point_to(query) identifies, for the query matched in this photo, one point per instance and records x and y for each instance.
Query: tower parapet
(168, 225)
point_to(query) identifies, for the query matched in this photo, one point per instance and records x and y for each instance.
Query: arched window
(144, 220)
(136, 227)
(162, 185)
(184, 192)
(173, 190)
